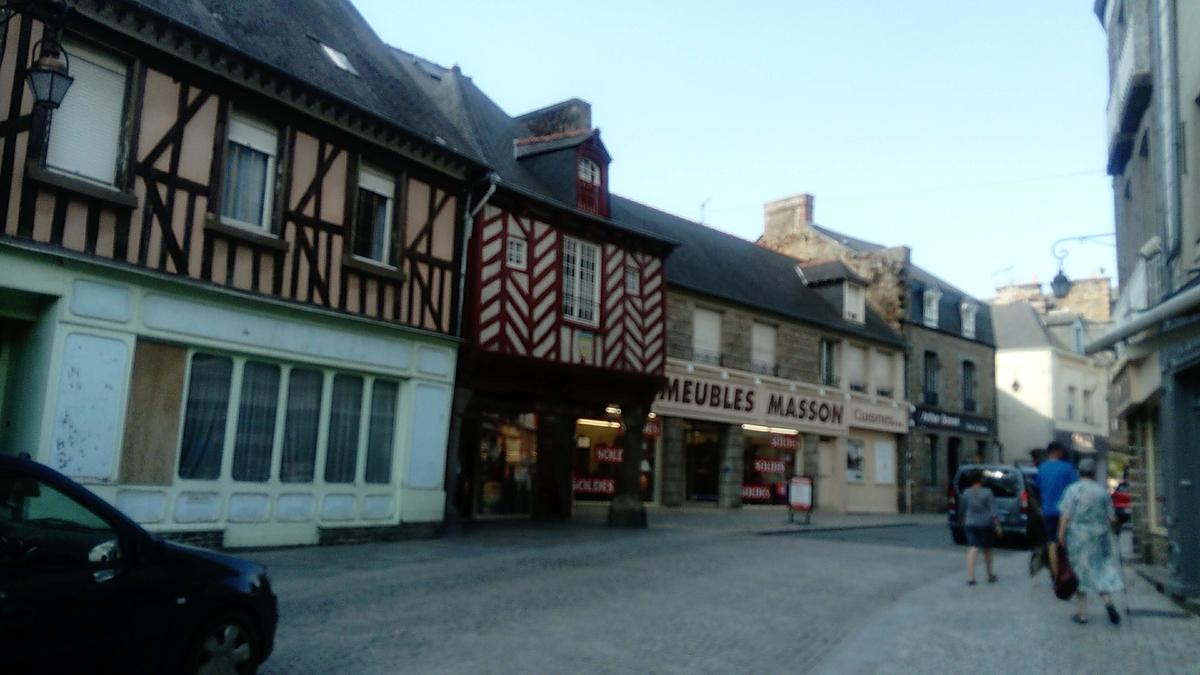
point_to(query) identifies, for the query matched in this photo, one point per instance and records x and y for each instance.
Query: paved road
(674, 599)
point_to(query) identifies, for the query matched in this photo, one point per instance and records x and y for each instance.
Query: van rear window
(1002, 482)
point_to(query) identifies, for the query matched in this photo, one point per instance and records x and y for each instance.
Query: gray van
(1012, 490)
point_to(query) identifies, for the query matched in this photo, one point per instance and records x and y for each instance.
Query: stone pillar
(553, 499)
(729, 489)
(456, 482)
(626, 508)
(673, 482)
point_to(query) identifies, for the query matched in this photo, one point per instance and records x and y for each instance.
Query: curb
(804, 529)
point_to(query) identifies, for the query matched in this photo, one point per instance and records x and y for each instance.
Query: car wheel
(226, 645)
(959, 537)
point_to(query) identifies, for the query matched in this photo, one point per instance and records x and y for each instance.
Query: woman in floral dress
(1085, 526)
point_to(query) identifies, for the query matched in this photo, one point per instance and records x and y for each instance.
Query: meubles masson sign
(744, 399)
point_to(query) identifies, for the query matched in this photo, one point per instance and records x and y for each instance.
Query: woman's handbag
(1065, 581)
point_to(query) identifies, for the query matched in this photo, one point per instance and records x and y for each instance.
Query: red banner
(767, 465)
(585, 485)
(756, 493)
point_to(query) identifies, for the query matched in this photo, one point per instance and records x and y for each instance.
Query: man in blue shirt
(1053, 477)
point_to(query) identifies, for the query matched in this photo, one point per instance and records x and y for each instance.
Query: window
(856, 368)
(855, 459)
(516, 252)
(931, 378)
(47, 530)
(968, 310)
(855, 303)
(247, 187)
(633, 280)
(931, 451)
(338, 58)
(256, 422)
(968, 386)
(1077, 336)
(881, 373)
(829, 359)
(303, 418)
(1071, 391)
(589, 171)
(345, 411)
(1087, 406)
(580, 290)
(85, 131)
(931, 300)
(204, 417)
(706, 336)
(762, 339)
(382, 431)
(373, 216)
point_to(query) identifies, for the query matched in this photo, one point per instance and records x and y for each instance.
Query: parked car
(85, 589)
(1122, 501)
(1012, 487)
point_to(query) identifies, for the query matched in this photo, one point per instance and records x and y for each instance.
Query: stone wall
(951, 351)
(1092, 298)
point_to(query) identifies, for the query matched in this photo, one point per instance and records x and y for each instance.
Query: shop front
(733, 438)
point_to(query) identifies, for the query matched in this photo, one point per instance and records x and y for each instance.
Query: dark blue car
(84, 589)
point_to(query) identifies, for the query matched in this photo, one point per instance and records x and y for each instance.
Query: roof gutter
(493, 180)
(1186, 301)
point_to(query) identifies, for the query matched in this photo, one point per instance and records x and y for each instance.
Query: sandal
(991, 578)
(970, 582)
(1079, 619)
(1113, 615)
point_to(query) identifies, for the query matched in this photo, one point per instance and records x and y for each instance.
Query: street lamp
(1061, 285)
(49, 77)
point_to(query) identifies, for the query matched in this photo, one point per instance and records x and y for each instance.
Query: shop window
(381, 434)
(204, 417)
(855, 461)
(345, 412)
(300, 425)
(246, 187)
(931, 451)
(762, 340)
(507, 461)
(85, 131)
(256, 422)
(373, 216)
(829, 363)
(768, 465)
(580, 290)
(706, 336)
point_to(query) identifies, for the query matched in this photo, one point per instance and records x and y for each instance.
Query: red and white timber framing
(520, 311)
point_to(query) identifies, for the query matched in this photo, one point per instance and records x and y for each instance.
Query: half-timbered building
(230, 267)
(564, 320)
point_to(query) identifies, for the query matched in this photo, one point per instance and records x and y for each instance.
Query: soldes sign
(607, 454)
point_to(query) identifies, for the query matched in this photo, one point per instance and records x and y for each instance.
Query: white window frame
(854, 303)
(829, 363)
(262, 136)
(516, 252)
(588, 171)
(574, 311)
(633, 280)
(700, 346)
(932, 298)
(858, 379)
(380, 183)
(968, 311)
(117, 66)
(763, 360)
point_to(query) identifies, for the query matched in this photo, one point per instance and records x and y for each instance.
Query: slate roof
(825, 271)
(949, 314)
(720, 265)
(1018, 326)
(281, 35)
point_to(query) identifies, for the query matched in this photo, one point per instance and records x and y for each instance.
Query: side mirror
(105, 553)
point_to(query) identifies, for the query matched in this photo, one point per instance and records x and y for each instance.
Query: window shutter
(85, 131)
(762, 340)
(706, 332)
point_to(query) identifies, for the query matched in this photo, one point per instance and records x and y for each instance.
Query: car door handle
(102, 576)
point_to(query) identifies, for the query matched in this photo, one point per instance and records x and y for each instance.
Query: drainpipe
(493, 180)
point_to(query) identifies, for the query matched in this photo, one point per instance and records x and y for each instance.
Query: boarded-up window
(152, 414)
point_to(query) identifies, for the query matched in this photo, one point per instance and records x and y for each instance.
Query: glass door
(507, 464)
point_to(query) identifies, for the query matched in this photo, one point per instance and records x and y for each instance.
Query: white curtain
(204, 417)
(344, 414)
(382, 432)
(300, 426)
(256, 422)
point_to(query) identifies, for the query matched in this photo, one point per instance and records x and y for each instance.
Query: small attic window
(337, 58)
(589, 171)
(854, 304)
(932, 298)
(968, 310)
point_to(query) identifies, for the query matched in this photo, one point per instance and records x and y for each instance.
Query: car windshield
(1002, 482)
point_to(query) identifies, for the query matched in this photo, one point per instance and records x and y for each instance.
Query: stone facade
(952, 352)
(1090, 298)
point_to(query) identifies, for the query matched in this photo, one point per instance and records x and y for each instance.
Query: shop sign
(785, 441)
(880, 418)
(800, 493)
(607, 454)
(745, 402)
(756, 493)
(769, 465)
(936, 419)
(585, 485)
(653, 428)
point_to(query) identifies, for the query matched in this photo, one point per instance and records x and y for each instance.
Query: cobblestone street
(698, 592)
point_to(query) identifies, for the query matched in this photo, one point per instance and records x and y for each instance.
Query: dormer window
(968, 311)
(590, 186)
(854, 303)
(932, 298)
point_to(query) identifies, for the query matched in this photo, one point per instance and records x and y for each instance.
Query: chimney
(570, 116)
(788, 217)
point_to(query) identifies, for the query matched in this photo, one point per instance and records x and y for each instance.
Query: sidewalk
(755, 519)
(1017, 625)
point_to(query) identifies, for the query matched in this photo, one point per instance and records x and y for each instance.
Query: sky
(971, 131)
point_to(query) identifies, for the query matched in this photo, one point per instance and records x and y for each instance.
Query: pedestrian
(1086, 528)
(979, 521)
(1053, 477)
